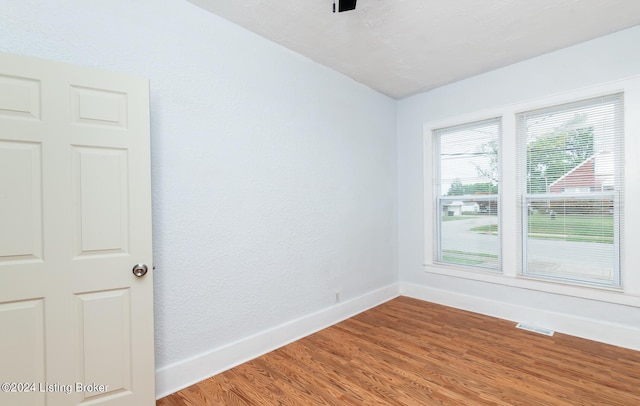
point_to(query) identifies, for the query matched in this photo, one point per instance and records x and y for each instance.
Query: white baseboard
(591, 329)
(172, 378)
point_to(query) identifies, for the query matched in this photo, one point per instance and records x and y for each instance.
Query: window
(467, 191)
(540, 198)
(571, 188)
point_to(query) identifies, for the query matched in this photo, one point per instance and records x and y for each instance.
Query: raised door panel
(19, 97)
(100, 178)
(20, 201)
(22, 348)
(104, 350)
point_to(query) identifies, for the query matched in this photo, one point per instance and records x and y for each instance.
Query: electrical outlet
(337, 297)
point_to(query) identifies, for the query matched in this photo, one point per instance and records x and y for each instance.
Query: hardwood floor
(410, 352)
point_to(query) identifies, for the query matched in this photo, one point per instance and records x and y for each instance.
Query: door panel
(99, 107)
(23, 340)
(19, 97)
(21, 201)
(75, 217)
(101, 196)
(104, 350)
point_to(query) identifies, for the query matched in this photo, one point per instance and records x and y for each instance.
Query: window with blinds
(571, 191)
(467, 190)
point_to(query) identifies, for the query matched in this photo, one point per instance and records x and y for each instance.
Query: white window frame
(440, 199)
(510, 275)
(612, 195)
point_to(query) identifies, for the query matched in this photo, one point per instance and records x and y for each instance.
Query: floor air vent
(535, 329)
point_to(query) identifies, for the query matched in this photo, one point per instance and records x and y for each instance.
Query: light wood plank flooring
(410, 352)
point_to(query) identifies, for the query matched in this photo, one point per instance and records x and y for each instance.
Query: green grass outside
(463, 217)
(565, 227)
(462, 261)
(489, 228)
(476, 254)
(466, 258)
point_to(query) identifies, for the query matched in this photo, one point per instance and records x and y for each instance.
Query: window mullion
(509, 236)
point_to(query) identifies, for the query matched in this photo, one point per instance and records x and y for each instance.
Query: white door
(76, 325)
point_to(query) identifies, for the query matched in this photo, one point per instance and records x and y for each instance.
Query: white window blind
(571, 183)
(467, 190)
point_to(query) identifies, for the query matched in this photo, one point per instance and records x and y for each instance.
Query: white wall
(274, 178)
(275, 182)
(602, 60)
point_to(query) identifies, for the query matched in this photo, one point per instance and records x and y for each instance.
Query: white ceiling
(402, 47)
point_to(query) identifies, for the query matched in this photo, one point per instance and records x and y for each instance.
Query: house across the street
(459, 207)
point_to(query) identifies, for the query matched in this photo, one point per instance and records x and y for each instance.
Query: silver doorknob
(140, 270)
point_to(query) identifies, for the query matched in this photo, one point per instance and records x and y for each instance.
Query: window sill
(603, 294)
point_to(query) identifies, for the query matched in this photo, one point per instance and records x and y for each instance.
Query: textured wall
(274, 178)
(602, 60)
